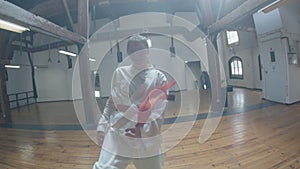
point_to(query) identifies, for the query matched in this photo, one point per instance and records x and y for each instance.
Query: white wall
(19, 80)
(109, 62)
(247, 50)
(265, 23)
(53, 79)
(107, 67)
(159, 56)
(53, 82)
(176, 65)
(290, 15)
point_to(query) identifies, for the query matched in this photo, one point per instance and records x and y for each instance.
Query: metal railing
(21, 99)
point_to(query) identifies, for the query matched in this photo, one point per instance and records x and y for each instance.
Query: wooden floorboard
(258, 138)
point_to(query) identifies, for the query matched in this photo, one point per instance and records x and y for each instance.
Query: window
(97, 93)
(232, 37)
(236, 68)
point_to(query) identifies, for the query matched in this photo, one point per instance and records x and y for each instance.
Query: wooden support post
(17, 100)
(84, 66)
(215, 75)
(4, 97)
(213, 60)
(5, 49)
(68, 13)
(27, 101)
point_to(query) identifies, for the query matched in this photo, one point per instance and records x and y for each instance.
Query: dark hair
(136, 39)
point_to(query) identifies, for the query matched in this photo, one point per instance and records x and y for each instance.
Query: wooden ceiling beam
(53, 7)
(4, 61)
(54, 45)
(17, 48)
(206, 8)
(68, 13)
(83, 18)
(13, 13)
(245, 9)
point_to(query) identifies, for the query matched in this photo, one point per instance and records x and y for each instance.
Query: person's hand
(100, 136)
(154, 96)
(147, 105)
(133, 132)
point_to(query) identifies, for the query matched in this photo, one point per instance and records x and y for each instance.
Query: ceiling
(56, 12)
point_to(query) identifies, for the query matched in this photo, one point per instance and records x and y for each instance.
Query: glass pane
(241, 68)
(232, 37)
(232, 68)
(236, 67)
(240, 71)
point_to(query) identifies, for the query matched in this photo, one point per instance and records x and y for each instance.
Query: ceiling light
(149, 43)
(12, 27)
(67, 53)
(12, 66)
(97, 93)
(92, 59)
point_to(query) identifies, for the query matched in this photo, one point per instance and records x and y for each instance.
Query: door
(274, 71)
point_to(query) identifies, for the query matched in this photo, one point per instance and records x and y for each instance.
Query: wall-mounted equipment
(272, 56)
(172, 48)
(293, 58)
(291, 52)
(119, 54)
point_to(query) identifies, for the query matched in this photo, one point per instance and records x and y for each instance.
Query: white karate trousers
(111, 161)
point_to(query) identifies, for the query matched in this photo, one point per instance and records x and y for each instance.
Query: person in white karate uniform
(124, 138)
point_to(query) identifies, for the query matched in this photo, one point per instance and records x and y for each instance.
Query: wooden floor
(254, 133)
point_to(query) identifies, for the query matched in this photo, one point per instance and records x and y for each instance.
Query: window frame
(227, 39)
(238, 66)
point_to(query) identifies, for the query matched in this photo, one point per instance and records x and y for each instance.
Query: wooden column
(5, 40)
(84, 66)
(206, 12)
(68, 13)
(217, 94)
(4, 97)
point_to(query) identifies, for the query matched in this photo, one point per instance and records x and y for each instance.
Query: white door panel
(274, 71)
